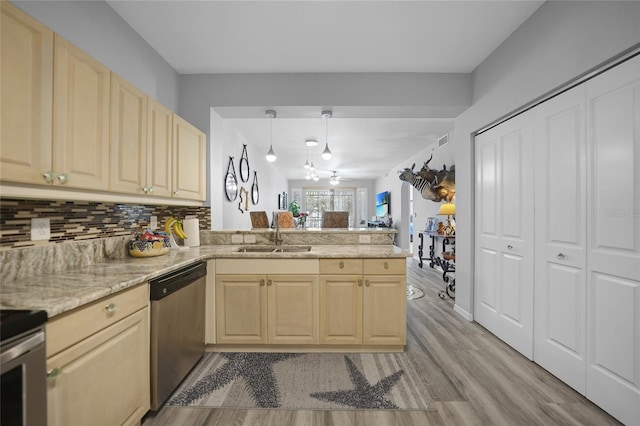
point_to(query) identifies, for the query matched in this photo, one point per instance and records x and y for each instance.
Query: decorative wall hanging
(243, 205)
(434, 185)
(255, 191)
(244, 165)
(231, 181)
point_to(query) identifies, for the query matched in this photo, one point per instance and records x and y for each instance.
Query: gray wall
(560, 41)
(97, 29)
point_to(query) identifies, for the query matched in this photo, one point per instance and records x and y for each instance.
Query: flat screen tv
(383, 203)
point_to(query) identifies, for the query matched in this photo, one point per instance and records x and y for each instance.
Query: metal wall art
(255, 191)
(244, 165)
(231, 182)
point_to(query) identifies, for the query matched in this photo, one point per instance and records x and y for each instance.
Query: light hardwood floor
(473, 377)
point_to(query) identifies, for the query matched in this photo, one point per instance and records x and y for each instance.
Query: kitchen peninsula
(63, 277)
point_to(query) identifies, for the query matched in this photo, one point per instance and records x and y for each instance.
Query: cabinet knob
(176, 192)
(386, 265)
(262, 282)
(63, 178)
(359, 283)
(48, 176)
(111, 308)
(561, 256)
(510, 247)
(150, 189)
(53, 373)
(341, 264)
(269, 282)
(366, 283)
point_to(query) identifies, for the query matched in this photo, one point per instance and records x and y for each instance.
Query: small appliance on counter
(23, 368)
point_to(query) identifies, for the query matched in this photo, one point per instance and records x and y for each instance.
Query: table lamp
(448, 209)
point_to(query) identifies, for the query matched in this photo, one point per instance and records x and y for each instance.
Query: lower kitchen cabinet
(363, 309)
(102, 378)
(267, 309)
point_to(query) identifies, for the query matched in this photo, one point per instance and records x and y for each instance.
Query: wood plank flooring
(473, 377)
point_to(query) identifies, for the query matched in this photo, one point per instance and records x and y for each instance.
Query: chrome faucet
(278, 233)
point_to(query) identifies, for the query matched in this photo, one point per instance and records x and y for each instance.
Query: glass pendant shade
(271, 156)
(326, 154)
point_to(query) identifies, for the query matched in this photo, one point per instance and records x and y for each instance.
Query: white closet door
(504, 232)
(613, 256)
(560, 253)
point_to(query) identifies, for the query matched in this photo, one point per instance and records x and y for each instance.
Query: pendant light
(326, 154)
(271, 155)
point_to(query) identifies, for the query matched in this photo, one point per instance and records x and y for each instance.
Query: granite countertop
(61, 292)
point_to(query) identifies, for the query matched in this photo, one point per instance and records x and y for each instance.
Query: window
(318, 200)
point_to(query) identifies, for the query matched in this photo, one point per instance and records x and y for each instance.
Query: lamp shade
(447, 209)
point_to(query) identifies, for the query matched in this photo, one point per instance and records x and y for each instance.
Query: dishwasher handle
(165, 285)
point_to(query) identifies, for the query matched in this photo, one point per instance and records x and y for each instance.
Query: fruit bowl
(149, 245)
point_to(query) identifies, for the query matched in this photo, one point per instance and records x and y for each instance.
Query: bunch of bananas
(173, 224)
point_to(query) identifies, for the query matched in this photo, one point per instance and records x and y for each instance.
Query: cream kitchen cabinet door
(159, 149)
(26, 68)
(292, 309)
(241, 309)
(80, 118)
(267, 309)
(189, 161)
(128, 147)
(104, 379)
(341, 309)
(367, 309)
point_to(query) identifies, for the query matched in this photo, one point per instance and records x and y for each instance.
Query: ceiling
(300, 36)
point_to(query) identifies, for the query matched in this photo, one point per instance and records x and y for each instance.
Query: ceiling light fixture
(306, 163)
(334, 179)
(326, 154)
(271, 155)
(311, 142)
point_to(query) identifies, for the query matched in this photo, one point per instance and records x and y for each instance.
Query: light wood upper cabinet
(159, 149)
(26, 68)
(80, 118)
(128, 138)
(189, 160)
(68, 120)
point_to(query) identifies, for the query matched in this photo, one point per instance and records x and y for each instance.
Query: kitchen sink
(273, 249)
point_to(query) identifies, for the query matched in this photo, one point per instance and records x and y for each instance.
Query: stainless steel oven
(23, 387)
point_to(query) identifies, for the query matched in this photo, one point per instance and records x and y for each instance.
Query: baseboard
(466, 315)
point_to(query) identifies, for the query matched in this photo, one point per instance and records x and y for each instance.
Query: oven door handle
(22, 348)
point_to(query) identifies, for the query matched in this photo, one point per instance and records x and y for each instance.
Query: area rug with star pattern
(304, 381)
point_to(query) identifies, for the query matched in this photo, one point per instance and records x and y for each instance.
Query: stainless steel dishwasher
(177, 328)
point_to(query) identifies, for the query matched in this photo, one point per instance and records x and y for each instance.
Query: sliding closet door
(560, 253)
(504, 232)
(613, 256)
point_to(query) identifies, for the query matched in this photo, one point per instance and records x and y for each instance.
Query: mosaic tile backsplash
(75, 220)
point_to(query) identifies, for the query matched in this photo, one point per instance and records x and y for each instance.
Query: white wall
(226, 141)
(560, 41)
(97, 29)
